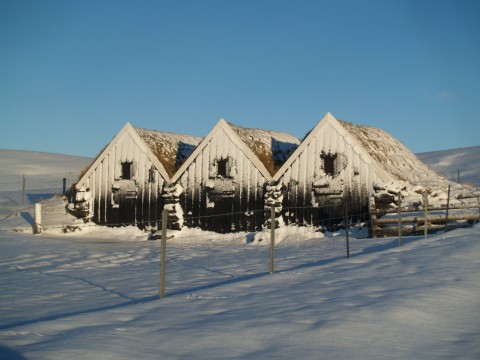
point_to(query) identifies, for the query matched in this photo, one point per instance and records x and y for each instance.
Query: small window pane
(329, 164)
(127, 170)
(151, 175)
(222, 168)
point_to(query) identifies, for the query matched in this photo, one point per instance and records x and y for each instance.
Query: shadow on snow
(372, 249)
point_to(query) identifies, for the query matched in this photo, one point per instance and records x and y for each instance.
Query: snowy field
(94, 295)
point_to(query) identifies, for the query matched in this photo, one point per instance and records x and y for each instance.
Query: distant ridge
(40, 173)
(41, 152)
(455, 164)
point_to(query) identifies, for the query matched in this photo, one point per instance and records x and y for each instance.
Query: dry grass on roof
(170, 149)
(261, 141)
(381, 146)
(264, 154)
(394, 157)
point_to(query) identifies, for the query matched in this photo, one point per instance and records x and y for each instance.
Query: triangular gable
(127, 128)
(329, 119)
(223, 125)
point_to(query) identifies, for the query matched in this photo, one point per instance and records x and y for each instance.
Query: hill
(42, 172)
(459, 165)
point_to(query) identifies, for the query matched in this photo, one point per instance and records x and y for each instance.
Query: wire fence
(372, 221)
(198, 261)
(233, 222)
(200, 264)
(66, 276)
(18, 192)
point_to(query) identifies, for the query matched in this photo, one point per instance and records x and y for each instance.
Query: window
(151, 175)
(329, 164)
(127, 172)
(222, 168)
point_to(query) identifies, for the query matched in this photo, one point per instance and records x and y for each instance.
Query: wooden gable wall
(307, 184)
(116, 200)
(206, 195)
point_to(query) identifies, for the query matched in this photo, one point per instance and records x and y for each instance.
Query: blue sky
(72, 73)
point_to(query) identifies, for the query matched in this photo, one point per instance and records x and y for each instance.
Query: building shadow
(36, 198)
(28, 218)
(7, 353)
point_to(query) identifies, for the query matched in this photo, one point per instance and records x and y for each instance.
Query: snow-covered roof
(394, 157)
(271, 147)
(170, 149)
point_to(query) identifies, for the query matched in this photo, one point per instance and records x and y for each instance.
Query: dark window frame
(127, 170)
(151, 175)
(329, 164)
(222, 168)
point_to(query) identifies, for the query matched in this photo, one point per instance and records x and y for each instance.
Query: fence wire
(201, 261)
(18, 192)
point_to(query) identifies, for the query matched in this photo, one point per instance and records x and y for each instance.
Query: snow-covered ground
(94, 294)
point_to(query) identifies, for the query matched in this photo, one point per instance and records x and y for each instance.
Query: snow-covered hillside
(457, 164)
(44, 173)
(15, 163)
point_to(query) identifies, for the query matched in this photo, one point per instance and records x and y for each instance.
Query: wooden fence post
(272, 239)
(346, 229)
(425, 211)
(478, 201)
(38, 219)
(373, 217)
(448, 207)
(400, 242)
(163, 255)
